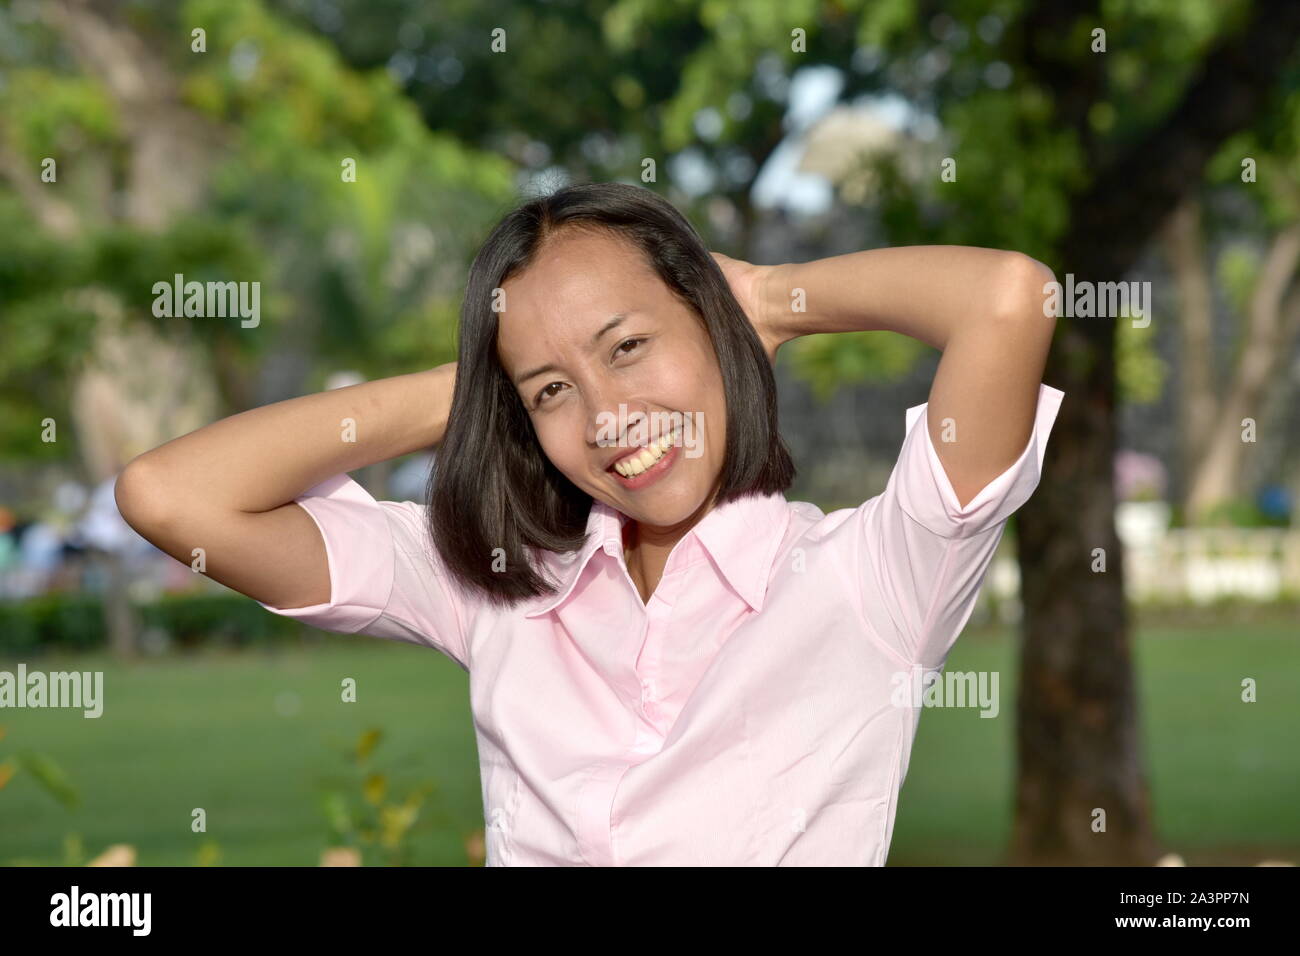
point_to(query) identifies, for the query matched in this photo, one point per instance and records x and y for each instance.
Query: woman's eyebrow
(613, 323)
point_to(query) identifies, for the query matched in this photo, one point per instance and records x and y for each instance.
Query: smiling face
(589, 327)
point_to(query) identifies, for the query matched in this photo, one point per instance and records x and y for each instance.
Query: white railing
(1183, 566)
(1203, 565)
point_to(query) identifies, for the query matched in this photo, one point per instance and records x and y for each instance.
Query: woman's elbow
(1021, 297)
(139, 493)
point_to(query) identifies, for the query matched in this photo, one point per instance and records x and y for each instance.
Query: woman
(669, 663)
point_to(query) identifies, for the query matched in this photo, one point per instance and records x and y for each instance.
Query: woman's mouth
(650, 464)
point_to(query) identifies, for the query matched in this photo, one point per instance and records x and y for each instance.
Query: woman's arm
(228, 487)
(982, 307)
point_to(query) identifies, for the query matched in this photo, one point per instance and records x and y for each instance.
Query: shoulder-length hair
(492, 486)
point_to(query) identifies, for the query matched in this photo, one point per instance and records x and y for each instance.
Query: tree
(1076, 738)
(1263, 285)
(134, 151)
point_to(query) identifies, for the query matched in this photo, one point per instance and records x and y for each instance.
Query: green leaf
(50, 776)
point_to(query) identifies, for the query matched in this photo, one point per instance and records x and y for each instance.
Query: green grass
(218, 731)
(1223, 775)
(222, 731)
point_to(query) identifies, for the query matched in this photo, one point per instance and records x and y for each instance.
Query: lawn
(1224, 776)
(256, 739)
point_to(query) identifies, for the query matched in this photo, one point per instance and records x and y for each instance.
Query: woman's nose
(611, 424)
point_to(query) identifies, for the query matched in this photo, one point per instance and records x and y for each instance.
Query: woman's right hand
(748, 284)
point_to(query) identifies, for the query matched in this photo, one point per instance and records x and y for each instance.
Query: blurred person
(8, 544)
(8, 548)
(40, 545)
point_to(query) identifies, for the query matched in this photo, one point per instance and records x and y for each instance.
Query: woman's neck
(646, 548)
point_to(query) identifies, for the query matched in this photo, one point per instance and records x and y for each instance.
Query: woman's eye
(543, 395)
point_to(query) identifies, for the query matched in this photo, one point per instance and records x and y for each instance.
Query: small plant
(43, 770)
(51, 778)
(374, 822)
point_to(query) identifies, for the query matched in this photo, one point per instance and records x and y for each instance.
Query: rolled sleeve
(386, 579)
(925, 492)
(923, 556)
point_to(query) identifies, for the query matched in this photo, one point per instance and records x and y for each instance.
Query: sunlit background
(350, 155)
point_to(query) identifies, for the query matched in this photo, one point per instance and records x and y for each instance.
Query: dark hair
(492, 485)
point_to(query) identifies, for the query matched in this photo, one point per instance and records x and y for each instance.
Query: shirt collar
(741, 537)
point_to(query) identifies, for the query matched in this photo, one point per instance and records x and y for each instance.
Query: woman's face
(607, 360)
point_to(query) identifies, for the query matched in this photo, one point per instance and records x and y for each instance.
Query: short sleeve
(923, 556)
(386, 579)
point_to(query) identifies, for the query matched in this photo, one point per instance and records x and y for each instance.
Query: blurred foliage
(47, 774)
(363, 275)
(371, 817)
(208, 854)
(1235, 272)
(1243, 513)
(1140, 370)
(443, 129)
(664, 77)
(668, 78)
(51, 777)
(830, 360)
(75, 622)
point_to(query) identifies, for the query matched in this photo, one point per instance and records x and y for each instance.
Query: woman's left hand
(747, 285)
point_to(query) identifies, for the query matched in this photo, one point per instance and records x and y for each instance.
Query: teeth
(635, 464)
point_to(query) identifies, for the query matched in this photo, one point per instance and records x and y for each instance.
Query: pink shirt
(743, 716)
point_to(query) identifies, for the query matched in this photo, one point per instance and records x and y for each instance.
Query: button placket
(658, 623)
(649, 663)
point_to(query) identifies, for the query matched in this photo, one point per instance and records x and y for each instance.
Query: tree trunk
(1077, 739)
(1185, 248)
(121, 619)
(1266, 343)
(170, 152)
(1077, 722)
